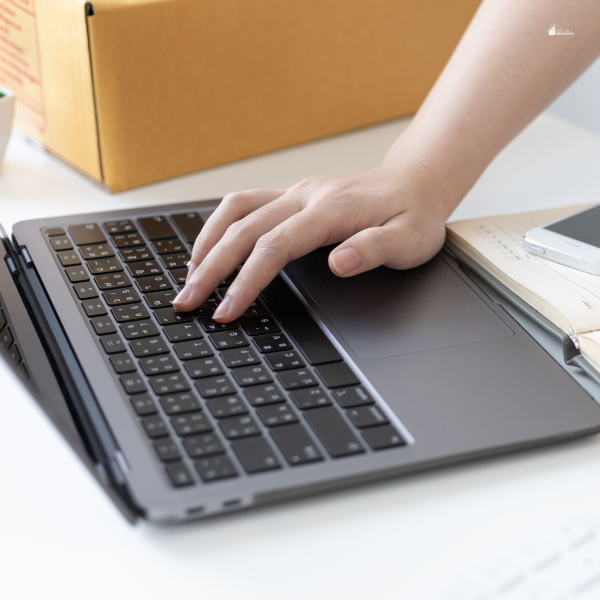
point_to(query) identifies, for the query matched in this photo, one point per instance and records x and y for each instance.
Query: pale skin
(505, 71)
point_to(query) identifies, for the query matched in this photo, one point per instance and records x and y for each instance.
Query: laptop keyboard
(9, 348)
(215, 399)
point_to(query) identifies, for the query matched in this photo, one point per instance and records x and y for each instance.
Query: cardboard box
(136, 91)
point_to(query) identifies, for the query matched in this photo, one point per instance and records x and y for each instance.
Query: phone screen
(584, 227)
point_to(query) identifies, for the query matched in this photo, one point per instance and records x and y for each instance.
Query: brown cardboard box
(135, 91)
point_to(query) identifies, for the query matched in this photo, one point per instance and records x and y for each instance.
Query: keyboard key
(228, 339)
(77, 274)
(295, 443)
(367, 416)
(208, 306)
(176, 261)
(149, 347)
(126, 240)
(103, 325)
(2, 321)
(215, 468)
(310, 398)
(112, 344)
(258, 325)
(256, 309)
(190, 224)
(169, 384)
(355, 395)
(203, 445)
(122, 226)
(156, 365)
(334, 432)
(193, 349)
(96, 251)
(383, 437)
(204, 367)
(94, 308)
(169, 246)
(228, 280)
(183, 331)
(122, 363)
(299, 378)
(179, 474)
(215, 386)
(168, 316)
(51, 231)
(139, 329)
(6, 339)
(104, 265)
(69, 258)
(133, 383)
(61, 242)
(227, 407)
(239, 357)
(272, 342)
(280, 361)
(277, 414)
(252, 375)
(157, 228)
(161, 299)
(85, 291)
(90, 233)
(114, 280)
(180, 403)
(191, 424)
(167, 450)
(337, 375)
(209, 325)
(144, 405)
(122, 296)
(144, 268)
(256, 455)
(238, 427)
(135, 254)
(130, 312)
(179, 276)
(264, 394)
(155, 426)
(154, 283)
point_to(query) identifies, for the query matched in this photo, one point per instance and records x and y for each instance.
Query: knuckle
(381, 241)
(238, 230)
(269, 243)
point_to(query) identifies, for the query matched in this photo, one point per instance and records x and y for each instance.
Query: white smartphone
(574, 241)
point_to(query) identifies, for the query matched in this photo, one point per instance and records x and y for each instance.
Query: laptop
(323, 383)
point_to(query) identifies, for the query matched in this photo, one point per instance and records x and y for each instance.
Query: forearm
(504, 72)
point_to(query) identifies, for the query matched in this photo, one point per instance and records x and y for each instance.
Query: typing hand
(385, 216)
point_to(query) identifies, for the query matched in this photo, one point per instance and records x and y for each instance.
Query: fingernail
(191, 268)
(183, 295)
(222, 309)
(345, 261)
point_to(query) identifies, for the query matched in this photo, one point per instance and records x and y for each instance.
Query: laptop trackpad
(385, 312)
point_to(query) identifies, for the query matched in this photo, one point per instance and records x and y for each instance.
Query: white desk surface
(60, 536)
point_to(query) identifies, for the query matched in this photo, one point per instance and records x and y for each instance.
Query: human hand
(393, 216)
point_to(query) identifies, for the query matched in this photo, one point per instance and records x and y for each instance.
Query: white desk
(60, 537)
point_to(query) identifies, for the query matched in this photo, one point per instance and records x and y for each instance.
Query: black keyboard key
(169, 316)
(239, 427)
(157, 365)
(61, 242)
(256, 455)
(51, 231)
(139, 329)
(228, 339)
(69, 258)
(191, 424)
(303, 329)
(77, 274)
(259, 325)
(254, 375)
(264, 394)
(133, 383)
(144, 405)
(272, 342)
(126, 240)
(228, 280)
(112, 344)
(204, 367)
(193, 349)
(295, 443)
(277, 414)
(94, 308)
(299, 378)
(239, 357)
(6, 339)
(228, 406)
(121, 296)
(190, 224)
(216, 468)
(149, 346)
(256, 309)
(208, 306)
(103, 325)
(169, 383)
(167, 450)
(334, 432)
(155, 426)
(310, 398)
(122, 226)
(182, 332)
(280, 361)
(215, 386)
(90, 233)
(175, 261)
(14, 356)
(114, 280)
(179, 474)
(161, 299)
(367, 416)
(169, 246)
(355, 395)
(383, 437)
(157, 228)
(135, 254)
(179, 276)
(130, 312)
(203, 445)
(85, 291)
(96, 251)
(144, 268)
(154, 283)
(98, 266)
(337, 375)
(122, 363)
(2, 321)
(212, 326)
(175, 404)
